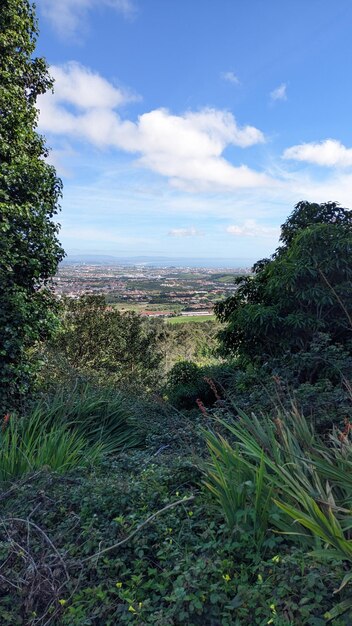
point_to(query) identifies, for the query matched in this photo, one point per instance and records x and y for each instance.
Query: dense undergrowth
(185, 567)
(195, 563)
(212, 490)
(220, 497)
(167, 476)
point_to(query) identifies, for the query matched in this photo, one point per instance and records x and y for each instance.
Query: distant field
(122, 306)
(179, 319)
(230, 278)
(182, 319)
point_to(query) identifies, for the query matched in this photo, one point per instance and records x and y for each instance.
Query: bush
(186, 383)
(316, 382)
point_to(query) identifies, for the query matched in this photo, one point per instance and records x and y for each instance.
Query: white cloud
(184, 232)
(230, 77)
(186, 148)
(79, 86)
(329, 153)
(279, 93)
(68, 16)
(250, 228)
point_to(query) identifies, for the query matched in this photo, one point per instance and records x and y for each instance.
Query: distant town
(152, 291)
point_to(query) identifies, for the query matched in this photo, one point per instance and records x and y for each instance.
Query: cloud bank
(187, 149)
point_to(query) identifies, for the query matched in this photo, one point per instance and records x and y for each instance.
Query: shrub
(103, 344)
(186, 383)
(316, 381)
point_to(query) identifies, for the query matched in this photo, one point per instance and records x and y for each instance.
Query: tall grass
(69, 429)
(27, 444)
(100, 415)
(308, 479)
(241, 490)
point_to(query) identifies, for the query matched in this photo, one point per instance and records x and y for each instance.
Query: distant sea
(109, 260)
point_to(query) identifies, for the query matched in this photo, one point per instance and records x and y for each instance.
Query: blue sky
(190, 128)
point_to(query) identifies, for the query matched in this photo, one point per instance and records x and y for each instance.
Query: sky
(191, 128)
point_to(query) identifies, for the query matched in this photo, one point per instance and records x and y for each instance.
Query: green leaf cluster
(29, 197)
(303, 290)
(99, 342)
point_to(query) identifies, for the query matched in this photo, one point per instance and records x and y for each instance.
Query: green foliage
(309, 479)
(184, 568)
(295, 455)
(243, 491)
(29, 444)
(187, 383)
(309, 214)
(71, 428)
(184, 373)
(29, 194)
(303, 290)
(101, 415)
(316, 381)
(188, 341)
(101, 343)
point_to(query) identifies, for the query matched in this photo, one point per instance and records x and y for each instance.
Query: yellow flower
(276, 559)
(62, 602)
(131, 609)
(271, 621)
(177, 493)
(227, 577)
(273, 608)
(260, 578)
(140, 604)
(190, 513)
(119, 585)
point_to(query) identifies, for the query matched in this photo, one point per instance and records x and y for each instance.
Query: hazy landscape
(149, 289)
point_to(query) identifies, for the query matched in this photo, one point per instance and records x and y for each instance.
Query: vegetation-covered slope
(134, 488)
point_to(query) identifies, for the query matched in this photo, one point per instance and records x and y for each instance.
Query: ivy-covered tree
(29, 196)
(303, 291)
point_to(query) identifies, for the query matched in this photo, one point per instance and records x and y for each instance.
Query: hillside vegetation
(158, 474)
(189, 474)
